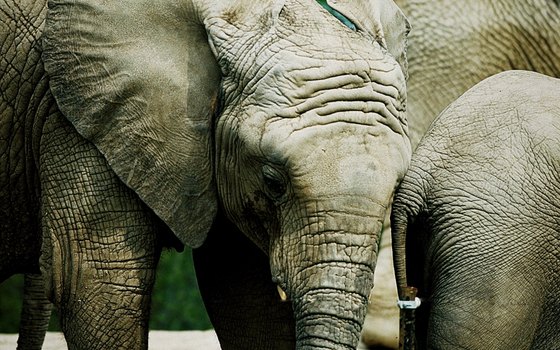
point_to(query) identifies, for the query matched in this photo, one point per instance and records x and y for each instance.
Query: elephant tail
(406, 214)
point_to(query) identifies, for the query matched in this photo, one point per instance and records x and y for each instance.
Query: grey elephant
(35, 313)
(273, 132)
(450, 49)
(479, 211)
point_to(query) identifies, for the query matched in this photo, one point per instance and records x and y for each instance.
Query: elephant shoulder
(513, 100)
(530, 104)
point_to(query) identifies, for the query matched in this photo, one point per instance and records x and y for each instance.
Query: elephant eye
(274, 181)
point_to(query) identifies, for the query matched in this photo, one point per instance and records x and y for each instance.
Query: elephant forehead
(306, 76)
(303, 44)
(346, 93)
(303, 63)
(305, 92)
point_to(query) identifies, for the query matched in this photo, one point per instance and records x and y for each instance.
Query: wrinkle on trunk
(328, 276)
(329, 318)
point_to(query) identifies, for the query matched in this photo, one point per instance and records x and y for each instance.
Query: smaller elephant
(479, 211)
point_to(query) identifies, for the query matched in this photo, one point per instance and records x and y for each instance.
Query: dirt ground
(159, 340)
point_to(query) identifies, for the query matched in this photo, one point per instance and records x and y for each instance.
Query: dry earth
(159, 340)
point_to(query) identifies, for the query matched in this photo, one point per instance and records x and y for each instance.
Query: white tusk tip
(283, 295)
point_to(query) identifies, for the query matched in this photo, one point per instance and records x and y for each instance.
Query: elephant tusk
(283, 295)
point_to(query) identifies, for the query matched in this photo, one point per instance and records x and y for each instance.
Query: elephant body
(38, 206)
(450, 49)
(274, 138)
(478, 209)
(20, 99)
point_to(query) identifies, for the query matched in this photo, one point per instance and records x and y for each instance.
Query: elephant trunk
(327, 273)
(327, 311)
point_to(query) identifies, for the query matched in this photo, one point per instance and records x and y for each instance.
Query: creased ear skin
(137, 78)
(383, 19)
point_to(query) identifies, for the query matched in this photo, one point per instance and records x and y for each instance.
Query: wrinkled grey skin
(21, 91)
(269, 127)
(35, 313)
(452, 47)
(479, 211)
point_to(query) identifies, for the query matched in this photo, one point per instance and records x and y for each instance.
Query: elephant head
(290, 118)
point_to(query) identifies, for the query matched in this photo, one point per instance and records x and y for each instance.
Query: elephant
(475, 221)
(20, 241)
(268, 136)
(450, 49)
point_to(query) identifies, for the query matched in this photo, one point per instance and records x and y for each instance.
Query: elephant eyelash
(275, 182)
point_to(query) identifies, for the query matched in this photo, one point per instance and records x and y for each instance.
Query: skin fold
(268, 135)
(479, 213)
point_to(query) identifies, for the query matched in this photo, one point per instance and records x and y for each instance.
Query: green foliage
(10, 304)
(176, 302)
(11, 292)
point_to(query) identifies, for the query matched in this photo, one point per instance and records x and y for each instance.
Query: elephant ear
(137, 78)
(383, 19)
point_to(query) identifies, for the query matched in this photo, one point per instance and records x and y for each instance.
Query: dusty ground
(159, 340)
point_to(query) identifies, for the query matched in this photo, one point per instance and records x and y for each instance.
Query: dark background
(176, 302)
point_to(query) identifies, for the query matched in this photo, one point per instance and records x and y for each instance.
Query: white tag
(409, 304)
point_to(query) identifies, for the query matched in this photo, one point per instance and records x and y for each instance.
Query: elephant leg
(35, 313)
(236, 285)
(99, 244)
